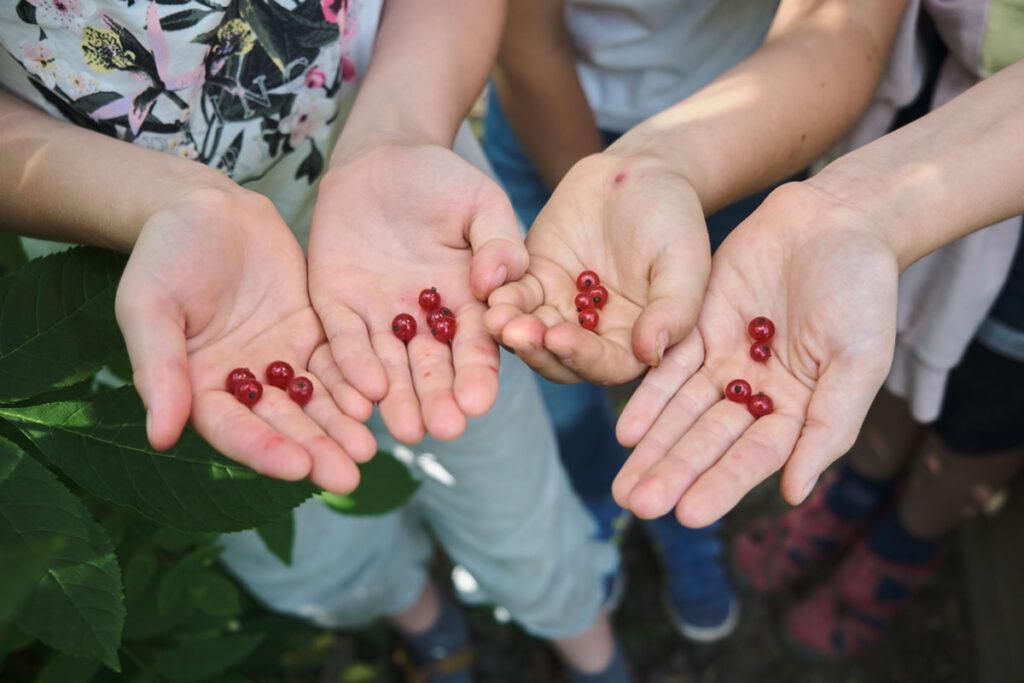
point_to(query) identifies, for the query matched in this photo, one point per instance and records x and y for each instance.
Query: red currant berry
(279, 374)
(444, 330)
(583, 301)
(599, 295)
(404, 326)
(760, 352)
(430, 299)
(760, 405)
(436, 314)
(587, 280)
(249, 391)
(300, 390)
(738, 391)
(589, 318)
(761, 328)
(235, 376)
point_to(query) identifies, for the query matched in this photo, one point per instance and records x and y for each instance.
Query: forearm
(429, 64)
(65, 183)
(540, 92)
(944, 176)
(776, 111)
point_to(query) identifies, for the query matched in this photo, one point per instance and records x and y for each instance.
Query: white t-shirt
(636, 58)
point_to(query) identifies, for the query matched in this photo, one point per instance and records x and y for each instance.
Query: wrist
(870, 198)
(647, 147)
(182, 189)
(362, 134)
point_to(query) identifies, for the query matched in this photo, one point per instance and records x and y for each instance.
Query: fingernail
(659, 350)
(498, 277)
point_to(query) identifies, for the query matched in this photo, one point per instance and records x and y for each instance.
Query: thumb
(499, 254)
(675, 294)
(155, 338)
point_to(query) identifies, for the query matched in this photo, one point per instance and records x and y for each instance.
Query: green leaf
(172, 590)
(138, 573)
(214, 594)
(62, 668)
(12, 255)
(100, 443)
(21, 567)
(145, 620)
(57, 323)
(386, 484)
(203, 659)
(77, 606)
(279, 536)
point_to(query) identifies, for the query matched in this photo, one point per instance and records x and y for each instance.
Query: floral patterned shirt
(256, 88)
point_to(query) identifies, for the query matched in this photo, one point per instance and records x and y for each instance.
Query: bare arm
(429, 64)
(62, 182)
(540, 92)
(783, 106)
(946, 175)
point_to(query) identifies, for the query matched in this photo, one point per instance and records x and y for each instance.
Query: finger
(354, 353)
(155, 338)
(684, 408)
(238, 433)
(400, 408)
(758, 454)
(351, 402)
(524, 296)
(837, 409)
(677, 284)
(499, 254)
(525, 336)
(475, 356)
(603, 358)
(700, 447)
(433, 378)
(657, 389)
(496, 318)
(353, 437)
(332, 468)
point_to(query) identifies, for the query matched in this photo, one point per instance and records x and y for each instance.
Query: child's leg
(345, 571)
(963, 468)
(507, 514)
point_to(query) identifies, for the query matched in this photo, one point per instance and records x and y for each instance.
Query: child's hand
(391, 221)
(638, 225)
(216, 282)
(829, 284)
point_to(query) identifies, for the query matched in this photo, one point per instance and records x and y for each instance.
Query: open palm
(216, 283)
(641, 228)
(388, 224)
(830, 288)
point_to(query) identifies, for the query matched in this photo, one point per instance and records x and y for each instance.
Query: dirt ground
(932, 643)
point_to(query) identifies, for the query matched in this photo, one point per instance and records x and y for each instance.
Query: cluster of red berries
(761, 329)
(248, 390)
(591, 297)
(440, 319)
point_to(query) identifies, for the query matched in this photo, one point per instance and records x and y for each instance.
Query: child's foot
(855, 607)
(442, 653)
(776, 552)
(699, 598)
